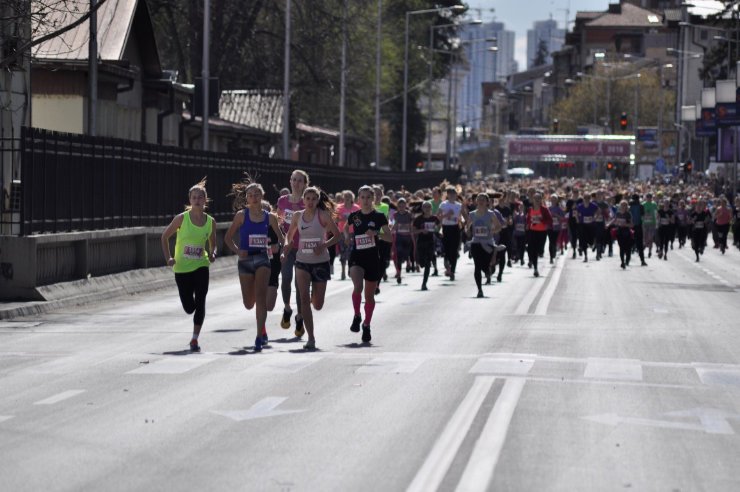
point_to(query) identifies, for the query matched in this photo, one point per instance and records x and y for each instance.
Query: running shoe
(436, 273)
(398, 280)
(622, 266)
(500, 247)
(452, 275)
(366, 337)
(424, 287)
(299, 330)
(536, 273)
(480, 294)
(258, 344)
(285, 322)
(377, 290)
(356, 323)
(310, 345)
(498, 277)
(194, 347)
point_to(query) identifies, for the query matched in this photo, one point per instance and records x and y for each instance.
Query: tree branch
(5, 63)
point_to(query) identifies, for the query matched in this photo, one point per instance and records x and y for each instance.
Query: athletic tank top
(312, 234)
(190, 246)
(287, 208)
(481, 229)
(253, 235)
(403, 224)
(537, 220)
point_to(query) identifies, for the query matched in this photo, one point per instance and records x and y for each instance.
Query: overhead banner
(527, 149)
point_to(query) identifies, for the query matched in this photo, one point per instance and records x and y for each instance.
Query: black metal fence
(10, 170)
(76, 183)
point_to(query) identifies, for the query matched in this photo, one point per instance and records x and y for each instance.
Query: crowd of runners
(295, 244)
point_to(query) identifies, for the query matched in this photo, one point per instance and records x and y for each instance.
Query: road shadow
(285, 340)
(234, 330)
(180, 352)
(355, 345)
(305, 351)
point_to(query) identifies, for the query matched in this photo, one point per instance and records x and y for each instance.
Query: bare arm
(235, 225)
(165, 240)
(212, 241)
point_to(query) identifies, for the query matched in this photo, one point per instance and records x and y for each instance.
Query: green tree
(247, 52)
(587, 101)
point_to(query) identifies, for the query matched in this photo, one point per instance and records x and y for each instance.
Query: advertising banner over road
(528, 149)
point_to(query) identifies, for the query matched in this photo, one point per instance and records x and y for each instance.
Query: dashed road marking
(65, 395)
(619, 369)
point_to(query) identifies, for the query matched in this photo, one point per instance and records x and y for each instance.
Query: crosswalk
(277, 362)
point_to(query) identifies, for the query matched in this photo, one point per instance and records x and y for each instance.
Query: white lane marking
(528, 299)
(172, 365)
(711, 421)
(64, 365)
(621, 369)
(708, 272)
(544, 303)
(392, 363)
(718, 376)
(65, 395)
(482, 464)
(435, 467)
(4, 418)
(500, 365)
(261, 409)
(283, 364)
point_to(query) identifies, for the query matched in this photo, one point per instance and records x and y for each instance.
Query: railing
(10, 188)
(79, 183)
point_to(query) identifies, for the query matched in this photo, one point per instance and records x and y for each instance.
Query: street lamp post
(404, 129)
(430, 86)
(286, 85)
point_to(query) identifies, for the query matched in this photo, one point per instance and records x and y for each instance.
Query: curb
(87, 291)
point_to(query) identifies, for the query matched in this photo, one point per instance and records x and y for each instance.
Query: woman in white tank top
(312, 255)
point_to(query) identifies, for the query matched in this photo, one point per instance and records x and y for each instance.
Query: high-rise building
(482, 65)
(545, 33)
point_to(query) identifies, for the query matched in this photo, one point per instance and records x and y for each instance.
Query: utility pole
(92, 78)
(206, 69)
(343, 84)
(286, 85)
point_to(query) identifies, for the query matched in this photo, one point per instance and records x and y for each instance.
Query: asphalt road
(587, 378)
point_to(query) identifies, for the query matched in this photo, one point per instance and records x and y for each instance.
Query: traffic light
(420, 166)
(623, 121)
(689, 166)
(555, 125)
(610, 166)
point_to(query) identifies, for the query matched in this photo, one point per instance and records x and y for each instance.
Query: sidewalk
(95, 289)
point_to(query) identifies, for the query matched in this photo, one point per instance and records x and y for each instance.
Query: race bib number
(307, 245)
(519, 228)
(699, 225)
(599, 219)
(664, 221)
(480, 231)
(536, 219)
(192, 252)
(587, 219)
(620, 222)
(429, 226)
(363, 241)
(403, 228)
(257, 241)
(289, 216)
(555, 221)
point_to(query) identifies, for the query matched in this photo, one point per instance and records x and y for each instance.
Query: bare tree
(47, 18)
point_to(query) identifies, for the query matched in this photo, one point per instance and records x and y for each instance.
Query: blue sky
(519, 15)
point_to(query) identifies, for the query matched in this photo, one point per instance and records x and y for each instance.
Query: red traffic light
(609, 166)
(689, 166)
(623, 121)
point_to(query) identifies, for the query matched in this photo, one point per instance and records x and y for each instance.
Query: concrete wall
(27, 263)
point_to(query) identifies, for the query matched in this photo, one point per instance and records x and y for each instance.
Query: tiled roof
(261, 109)
(672, 15)
(630, 16)
(115, 18)
(588, 14)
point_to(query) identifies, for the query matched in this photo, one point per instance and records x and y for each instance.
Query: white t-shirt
(444, 212)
